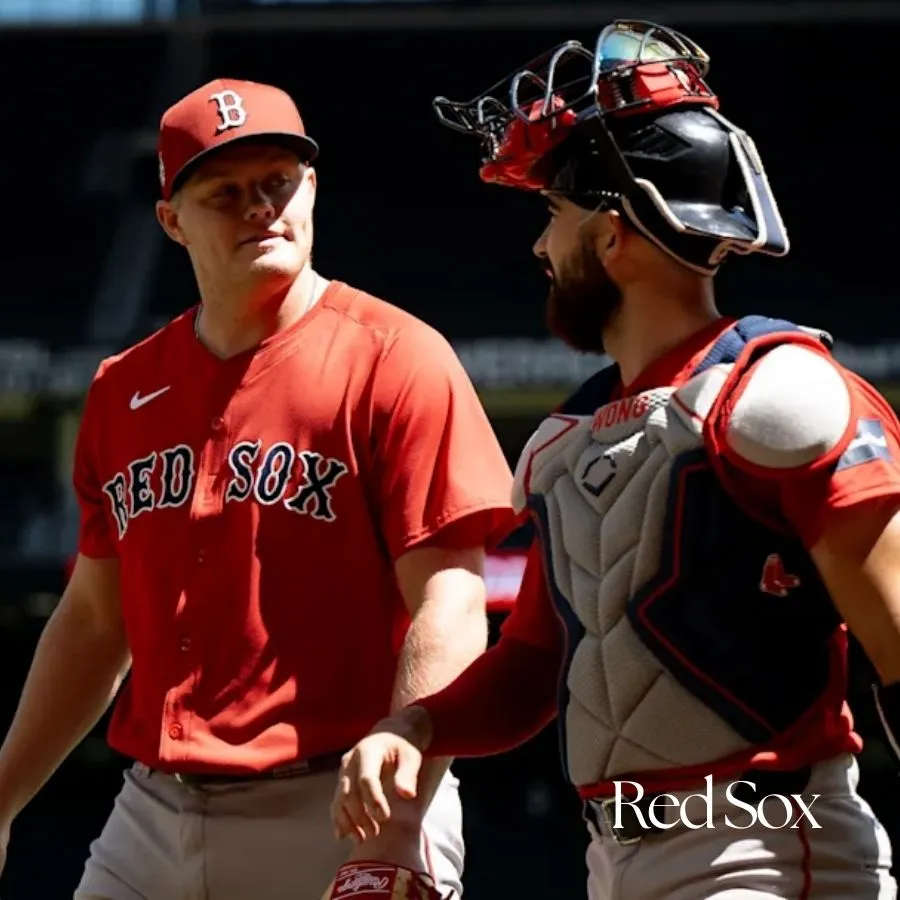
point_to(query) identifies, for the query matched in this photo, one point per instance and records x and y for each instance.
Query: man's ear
(616, 234)
(167, 216)
(611, 237)
(311, 183)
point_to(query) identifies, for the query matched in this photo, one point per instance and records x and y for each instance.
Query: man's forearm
(73, 678)
(438, 647)
(440, 644)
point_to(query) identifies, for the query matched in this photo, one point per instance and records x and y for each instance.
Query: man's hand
(386, 762)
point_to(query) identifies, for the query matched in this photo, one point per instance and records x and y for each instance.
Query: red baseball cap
(223, 111)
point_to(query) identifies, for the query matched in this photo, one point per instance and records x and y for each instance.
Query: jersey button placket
(203, 509)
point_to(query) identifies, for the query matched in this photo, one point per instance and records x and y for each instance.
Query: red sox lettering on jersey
(165, 479)
(277, 486)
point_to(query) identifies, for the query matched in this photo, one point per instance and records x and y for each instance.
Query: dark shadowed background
(402, 214)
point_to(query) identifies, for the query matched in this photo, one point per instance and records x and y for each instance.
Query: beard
(583, 301)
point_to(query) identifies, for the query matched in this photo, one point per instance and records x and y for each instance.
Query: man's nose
(260, 206)
(540, 245)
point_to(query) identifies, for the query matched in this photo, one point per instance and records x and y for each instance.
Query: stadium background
(402, 214)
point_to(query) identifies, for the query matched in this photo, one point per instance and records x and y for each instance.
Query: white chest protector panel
(664, 640)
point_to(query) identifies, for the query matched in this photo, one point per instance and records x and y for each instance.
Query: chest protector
(694, 630)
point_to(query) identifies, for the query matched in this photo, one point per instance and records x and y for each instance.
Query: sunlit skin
(615, 291)
(583, 298)
(245, 217)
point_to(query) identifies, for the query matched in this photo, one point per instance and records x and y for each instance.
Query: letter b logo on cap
(230, 106)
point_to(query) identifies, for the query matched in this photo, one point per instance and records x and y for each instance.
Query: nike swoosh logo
(137, 401)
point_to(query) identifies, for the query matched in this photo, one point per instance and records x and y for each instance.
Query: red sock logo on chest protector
(776, 580)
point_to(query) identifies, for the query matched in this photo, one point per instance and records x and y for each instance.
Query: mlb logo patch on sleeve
(868, 444)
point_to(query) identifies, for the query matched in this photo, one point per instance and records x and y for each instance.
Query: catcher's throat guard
(631, 125)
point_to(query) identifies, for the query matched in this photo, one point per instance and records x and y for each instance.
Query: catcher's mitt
(359, 880)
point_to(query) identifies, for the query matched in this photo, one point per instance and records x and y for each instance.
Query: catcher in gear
(712, 512)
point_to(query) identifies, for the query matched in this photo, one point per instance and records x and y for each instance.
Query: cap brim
(305, 147)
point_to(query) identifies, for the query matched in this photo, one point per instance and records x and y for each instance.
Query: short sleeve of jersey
(869, 468)
(437, 460)
(533, 619)
(95, 537)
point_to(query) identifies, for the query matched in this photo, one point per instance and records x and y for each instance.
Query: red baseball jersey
(256, 506)
(805, 500)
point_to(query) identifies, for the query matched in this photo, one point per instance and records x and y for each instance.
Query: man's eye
(225, 192)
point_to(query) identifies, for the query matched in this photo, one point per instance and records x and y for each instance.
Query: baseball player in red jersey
(286, 497)
(713, 512)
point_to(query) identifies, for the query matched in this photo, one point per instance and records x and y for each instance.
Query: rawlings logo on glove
(360, 880)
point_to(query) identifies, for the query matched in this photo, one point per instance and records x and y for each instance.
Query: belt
(314, 765)
(636, 823)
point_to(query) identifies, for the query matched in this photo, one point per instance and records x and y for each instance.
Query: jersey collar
(675, 366)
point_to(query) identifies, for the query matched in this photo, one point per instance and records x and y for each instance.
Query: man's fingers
(345, 804)
(406, 778)
(352, 820)
(360, 804)
(343, 827)
(355, 811)
(358, 798)
(373, 796)
(342, 805)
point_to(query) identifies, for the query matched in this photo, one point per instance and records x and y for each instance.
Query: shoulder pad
(819, 334)
(793, 408)
(549, 440)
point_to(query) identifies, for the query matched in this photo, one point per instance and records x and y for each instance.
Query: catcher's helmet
(631, 126)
